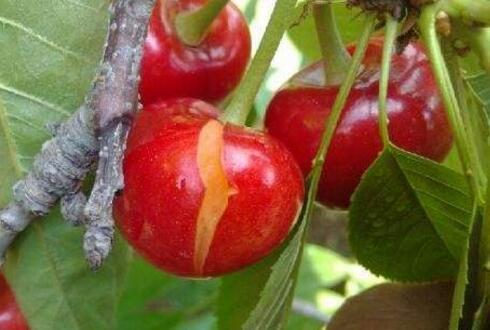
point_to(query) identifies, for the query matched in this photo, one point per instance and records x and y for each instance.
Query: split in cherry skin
(417, 121)
(11, 317)
(209, 71)
(203, 198)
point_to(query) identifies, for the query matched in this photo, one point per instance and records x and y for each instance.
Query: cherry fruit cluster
(204, 197)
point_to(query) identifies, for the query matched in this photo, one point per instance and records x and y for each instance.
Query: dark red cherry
(203, 198)
(417, 120)
(209, 71)
(11, 317)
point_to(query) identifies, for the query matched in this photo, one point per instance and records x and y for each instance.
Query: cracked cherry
(417, 120)
(203, 198)
(11, 317)
(209, 71)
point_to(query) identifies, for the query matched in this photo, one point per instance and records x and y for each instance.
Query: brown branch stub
(115, 102)
(98, 211)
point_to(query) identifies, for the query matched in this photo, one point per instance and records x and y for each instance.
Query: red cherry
(203, 198)
(154, 117)
(209, 71)
(11, 317)
(297, 113)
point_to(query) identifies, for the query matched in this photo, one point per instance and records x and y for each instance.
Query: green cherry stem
(340, 100)
(336, 59)
(242, 101)
(388, 46)
(191, 26)
(330, 125)
(470, 10)
(427, 28)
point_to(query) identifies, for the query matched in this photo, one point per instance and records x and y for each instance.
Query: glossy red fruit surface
(209, 71)
(202, 198)
(417, 120)
(11, 317)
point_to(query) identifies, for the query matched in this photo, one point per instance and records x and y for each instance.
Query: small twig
(115, 105)
(65, 159)
(57, 171)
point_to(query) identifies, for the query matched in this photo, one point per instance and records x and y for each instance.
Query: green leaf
(273, 306)
(52, 282)
(477, 94)
(242, 289)
(263, 291)
(409, 218)
(154, 300)
(466, 300)
(480, 85)
(479, 113)
(49, 55)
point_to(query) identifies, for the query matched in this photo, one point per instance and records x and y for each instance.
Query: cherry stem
(340, 100)
(242, 101)
(472, 10)
(427, 28)
(332, 120)
(388, 46)
(192, 26)
(336, 59)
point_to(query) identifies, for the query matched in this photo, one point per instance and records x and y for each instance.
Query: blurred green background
(155, 300)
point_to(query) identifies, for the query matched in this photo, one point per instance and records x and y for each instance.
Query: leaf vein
(439, 199)
(34, 99)
(82, 5)
(43, 39)
(57, 280)
(10, 142)
(27, 123)
(431, 178)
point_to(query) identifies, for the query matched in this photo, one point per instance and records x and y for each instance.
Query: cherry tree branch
(98, 129)
(115, 105)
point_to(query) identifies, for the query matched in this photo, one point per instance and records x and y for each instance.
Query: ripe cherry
(210, 71)
(11, 317)
(417, 120)
(203, 198)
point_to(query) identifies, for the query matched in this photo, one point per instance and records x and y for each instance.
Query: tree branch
(100, 124)
(115, 104)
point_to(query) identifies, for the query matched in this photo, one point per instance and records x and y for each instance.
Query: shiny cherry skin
(417, 120)
(210, 71)
(202, 198)
(11, 317)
